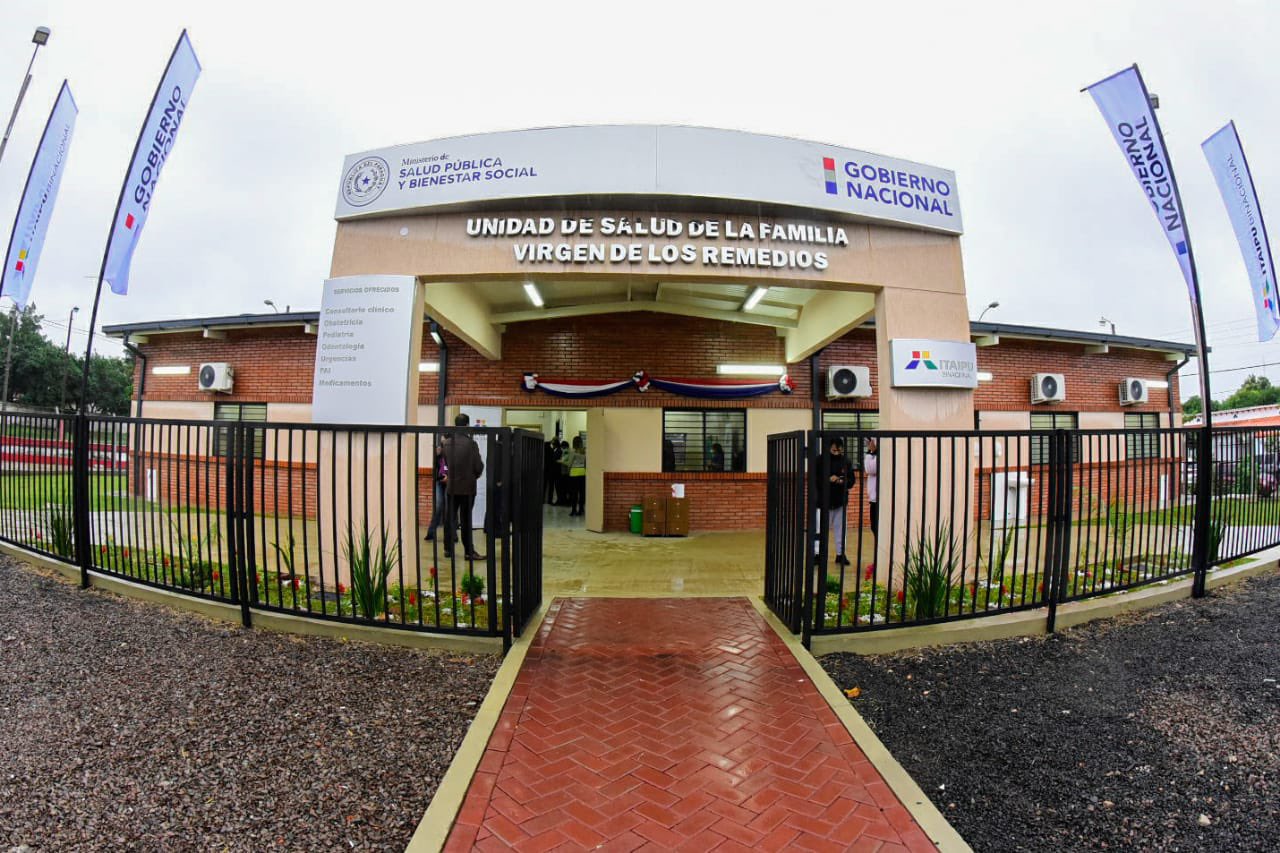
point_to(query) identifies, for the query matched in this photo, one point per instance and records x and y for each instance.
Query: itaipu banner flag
(155, 143)
(1126, 106)
(1231, 171)
(32, 222)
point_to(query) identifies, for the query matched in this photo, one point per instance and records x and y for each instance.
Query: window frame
(855, 458)
(702, 413)
(1142, 446)
(221, 434)
(1038, 446)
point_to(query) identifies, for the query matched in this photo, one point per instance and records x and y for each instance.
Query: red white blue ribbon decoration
(642, 381)
(573, 387)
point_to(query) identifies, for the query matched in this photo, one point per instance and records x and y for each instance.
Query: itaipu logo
(919, 357)
(365, 181)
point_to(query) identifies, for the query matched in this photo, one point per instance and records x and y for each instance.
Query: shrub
(61, 532)
(928, 570)
(472, 585)
(369, 571)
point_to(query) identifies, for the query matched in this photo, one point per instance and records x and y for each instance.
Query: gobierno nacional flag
(155, 144)
(38, 197)
(1126, 106)
(1231, 172)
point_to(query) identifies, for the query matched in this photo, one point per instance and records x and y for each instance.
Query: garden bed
(131, 726)
(1154, 731)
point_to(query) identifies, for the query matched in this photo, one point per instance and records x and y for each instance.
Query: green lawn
(36, 491)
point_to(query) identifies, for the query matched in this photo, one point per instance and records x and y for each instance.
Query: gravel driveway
(127, 725)
(1153, 731)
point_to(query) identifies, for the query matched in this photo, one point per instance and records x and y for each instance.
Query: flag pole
(1204, 452)
(124, 185)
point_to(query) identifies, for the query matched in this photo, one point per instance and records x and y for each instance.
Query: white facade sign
(364, 351)
(648, 160)
(921, 363)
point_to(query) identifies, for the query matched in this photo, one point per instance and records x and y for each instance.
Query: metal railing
(323, 521)
(937, 526)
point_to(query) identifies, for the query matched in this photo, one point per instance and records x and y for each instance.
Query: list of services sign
(364, 352)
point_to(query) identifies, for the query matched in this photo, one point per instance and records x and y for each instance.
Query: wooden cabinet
(666, 516)
(655, 517)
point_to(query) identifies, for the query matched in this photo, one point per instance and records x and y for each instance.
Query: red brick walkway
(672, 724)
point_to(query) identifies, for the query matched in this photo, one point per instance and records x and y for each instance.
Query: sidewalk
(677, 724)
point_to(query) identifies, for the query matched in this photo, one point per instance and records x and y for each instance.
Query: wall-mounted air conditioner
(1133, 391)
(847, 380)
(1048, 388)
(216, 376)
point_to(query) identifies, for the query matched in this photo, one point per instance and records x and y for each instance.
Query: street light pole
(40, 39)
(62, 396)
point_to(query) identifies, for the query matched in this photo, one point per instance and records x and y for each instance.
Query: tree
(1254, 391)
(44, 376)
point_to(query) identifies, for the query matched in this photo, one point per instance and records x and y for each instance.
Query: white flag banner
(1126, 106)
(1231, 171)
(36, 207)
(155, 144)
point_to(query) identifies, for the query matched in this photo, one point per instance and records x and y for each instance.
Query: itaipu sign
(921, 363)
(647, 160)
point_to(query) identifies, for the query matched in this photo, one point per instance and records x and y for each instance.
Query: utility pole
(62, 397)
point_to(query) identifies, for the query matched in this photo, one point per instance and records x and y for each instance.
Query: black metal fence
(908, 528)
(346, 523)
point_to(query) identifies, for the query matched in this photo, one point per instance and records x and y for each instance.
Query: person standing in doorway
(578, 476)
(839, 480)
(550, 468)
(871, 468)
(462, 456)
(440, 479)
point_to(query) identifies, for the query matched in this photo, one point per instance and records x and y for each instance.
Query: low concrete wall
(283, 622)
(1028, 623)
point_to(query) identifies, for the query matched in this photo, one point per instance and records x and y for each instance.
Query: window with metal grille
(704, 440)
(1049, 421)
(244, 412)
(1143, 445)
(843, 419)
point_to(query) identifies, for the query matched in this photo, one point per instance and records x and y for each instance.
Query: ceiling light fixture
(535, 297)
(428, 367)
(750, 369)
(171, 370)
(754, 299)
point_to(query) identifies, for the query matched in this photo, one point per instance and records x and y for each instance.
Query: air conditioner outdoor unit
(847, 380)
(1048, 388)
(216, 376)
(1133, 391)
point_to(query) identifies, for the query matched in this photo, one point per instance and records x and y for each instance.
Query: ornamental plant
(370, 567)
(928, 569)
(472, 585)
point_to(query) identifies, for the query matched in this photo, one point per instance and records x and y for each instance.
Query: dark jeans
(459, 514)
(438, 498)
(875, 516)
(577, 493)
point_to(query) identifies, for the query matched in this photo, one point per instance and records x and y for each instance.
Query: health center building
(673, 295)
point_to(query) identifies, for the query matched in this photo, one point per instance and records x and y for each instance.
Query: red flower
(297, 583)
(433, 571)
(125, 553)
(216, 576)
(164, 560)
(102, 549)
(413, 599)
(870, 572)
(1004, 590)
(342, 588)
(1041, 587)
(901, 596)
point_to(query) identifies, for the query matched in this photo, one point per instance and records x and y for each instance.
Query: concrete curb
(1030, 623)
(280, 622)
(434, 828)
(921, 808)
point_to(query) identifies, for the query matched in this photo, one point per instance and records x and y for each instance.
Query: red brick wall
(716, 501)
(275, 365)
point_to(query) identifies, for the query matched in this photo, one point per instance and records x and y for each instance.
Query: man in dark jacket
(462, 455)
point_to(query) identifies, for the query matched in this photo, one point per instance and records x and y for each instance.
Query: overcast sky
(1058, 230)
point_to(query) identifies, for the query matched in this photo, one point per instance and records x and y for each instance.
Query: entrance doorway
(562, 426)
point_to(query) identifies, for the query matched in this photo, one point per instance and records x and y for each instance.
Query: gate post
(80, 496)
(1058, 541)
(1203, 515)
(813, 461)
(233, 501)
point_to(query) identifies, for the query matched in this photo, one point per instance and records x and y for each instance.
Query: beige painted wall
(761, 423)
(196, 410)
(631, 439)
(917, 313)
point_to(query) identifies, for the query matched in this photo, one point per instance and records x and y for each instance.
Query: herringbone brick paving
(672, 724)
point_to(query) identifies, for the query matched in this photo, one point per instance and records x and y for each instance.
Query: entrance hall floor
(672, 724)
